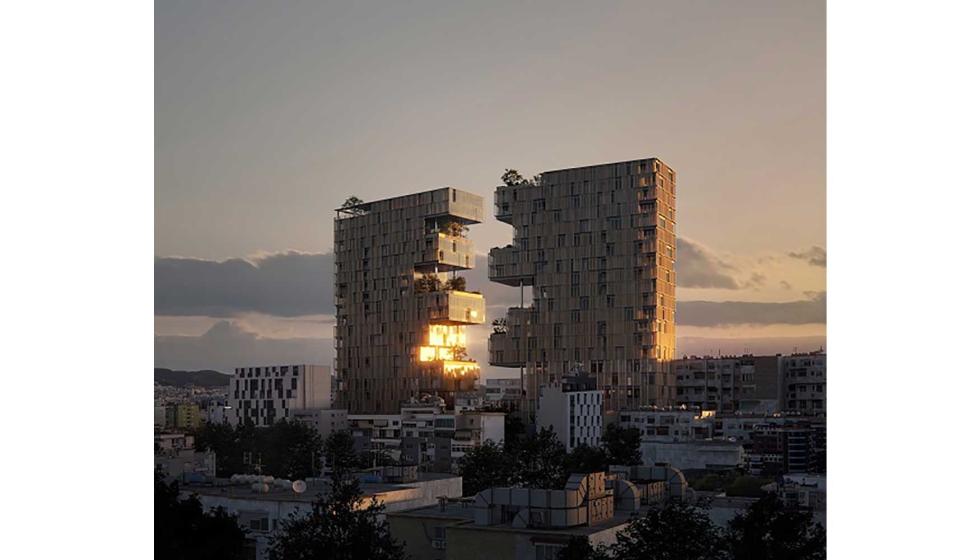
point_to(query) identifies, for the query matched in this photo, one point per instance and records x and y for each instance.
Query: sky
(269, 115)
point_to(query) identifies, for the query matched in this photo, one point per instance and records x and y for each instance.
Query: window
(583, 302)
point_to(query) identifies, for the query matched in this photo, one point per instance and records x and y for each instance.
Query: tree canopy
(182, 530)
(339, 526)
(287, 449)
(674, 530)
(769, 530)
(623, 445)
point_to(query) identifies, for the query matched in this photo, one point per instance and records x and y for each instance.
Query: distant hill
(203, 378)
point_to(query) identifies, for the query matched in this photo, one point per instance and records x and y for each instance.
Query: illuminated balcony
(451, 375)
(448, 307)
(446, 252)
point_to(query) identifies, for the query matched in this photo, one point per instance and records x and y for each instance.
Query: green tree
(770, 530)
(587, 459)
(182, 530)
(746, 486)
(353, 205)
(338, 452)
(541, 461)
(339, 527)
(512, 178)
(290, 449)
(224, 440)
(457, 283)
(428, 282)
(580, 548)
(485, 466)
(622, 445)
(674, 530)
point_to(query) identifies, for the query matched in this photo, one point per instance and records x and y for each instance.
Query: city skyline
(248, 170)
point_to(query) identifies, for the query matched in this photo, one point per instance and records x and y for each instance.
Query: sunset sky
(269, 115)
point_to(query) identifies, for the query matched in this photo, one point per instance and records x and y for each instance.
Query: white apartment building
(804, 381)
(266, 394)
(426, 433)
(573, 409)
(218, 411)
(671, 425)
(324, 420)
(503, 392)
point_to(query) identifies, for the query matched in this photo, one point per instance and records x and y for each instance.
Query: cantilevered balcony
(450, 375)
(446, 252)
(504, 265)
(504, 350)
(448, 307)
(504, 200)
(464, 207)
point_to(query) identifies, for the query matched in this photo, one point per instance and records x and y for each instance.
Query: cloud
(760, 346)
(815, 255)
(289, 284)
(226, 345)
(719, 313)
(785, 285)
(699, 267)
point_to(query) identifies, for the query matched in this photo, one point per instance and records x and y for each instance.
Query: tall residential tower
(402, 310)
(597, 247)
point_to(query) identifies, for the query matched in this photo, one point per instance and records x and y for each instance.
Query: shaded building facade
(596, 246)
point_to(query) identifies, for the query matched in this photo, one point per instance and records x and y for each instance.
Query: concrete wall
(692, 455)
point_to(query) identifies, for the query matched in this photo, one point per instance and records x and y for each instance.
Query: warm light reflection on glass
(442, 339)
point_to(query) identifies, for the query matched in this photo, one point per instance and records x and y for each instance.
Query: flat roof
(314, 487)
(466, 513)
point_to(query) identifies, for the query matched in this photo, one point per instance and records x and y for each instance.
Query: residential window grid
(601, 285)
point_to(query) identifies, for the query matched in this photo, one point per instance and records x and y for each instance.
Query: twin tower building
(594, 247)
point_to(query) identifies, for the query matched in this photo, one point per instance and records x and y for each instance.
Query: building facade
(184, 416)
(573, 409)
(804, 380)
(402, 310)
(425, 433)
(597, 246)
(748, 384)
(503, 392)
(266, 394)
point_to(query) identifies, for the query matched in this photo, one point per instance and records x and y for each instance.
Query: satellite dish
(299, 486)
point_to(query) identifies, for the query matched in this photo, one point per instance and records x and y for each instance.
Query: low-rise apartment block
(531, 523)
(185, 416)
(425, 433)
(262, 512)
(503, 393)
(804, 379)
(748, 384)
